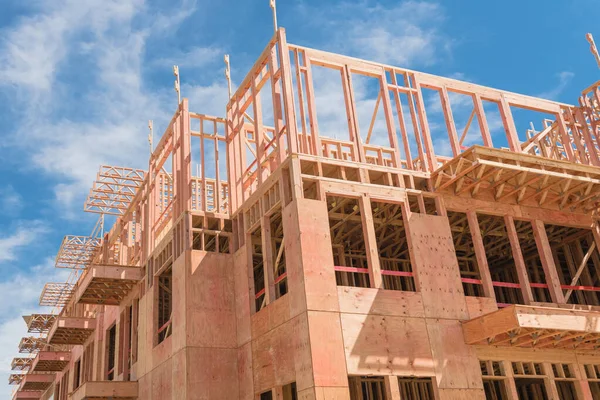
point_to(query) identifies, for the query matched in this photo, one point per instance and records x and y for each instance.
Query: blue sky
(80, 79)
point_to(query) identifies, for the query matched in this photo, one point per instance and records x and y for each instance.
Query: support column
(543, 247)
(518, 258)
(313, 302)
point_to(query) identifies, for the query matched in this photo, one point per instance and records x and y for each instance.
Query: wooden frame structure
(286, 251)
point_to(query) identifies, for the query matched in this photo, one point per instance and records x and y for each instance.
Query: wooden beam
(545, 252)
(368, 227)
(518, 258)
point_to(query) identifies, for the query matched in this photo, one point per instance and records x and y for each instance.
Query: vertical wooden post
(509, 125)
(452, 135)
(258, 130)
(287, 89)
(431, 158)
(389, 119)
(481, 118)
(366, 214)
(543, 247)
(511, 388)
(484, 269)
(185, 159)
(392, 389)
(518, 258)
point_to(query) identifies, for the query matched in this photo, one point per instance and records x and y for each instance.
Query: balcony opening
(258, 271)
(392, 247)
(578, 263)
(533, 263)
(499, 254)
(165, 304)
(111, 341)
(465, 254)
(278, 254)
(77, 374)
(347, 239)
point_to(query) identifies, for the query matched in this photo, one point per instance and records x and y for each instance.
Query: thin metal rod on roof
(228, 74)
(151, 135)
(177, 84)
(593, 48)
(274, 9)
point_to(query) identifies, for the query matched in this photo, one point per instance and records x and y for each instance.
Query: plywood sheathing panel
(357, 300)
(386, 345)
(242, 296)
(212, 373)
(106, 390)
(437, 274)
(210, 301)
(478, 306)
(456, 364)
(309, 257)
(244, 373)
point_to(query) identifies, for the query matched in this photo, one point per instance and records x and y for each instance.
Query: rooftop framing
(56, 294)
(113, 190)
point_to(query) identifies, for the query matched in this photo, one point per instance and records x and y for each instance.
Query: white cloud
(564, 78)
(404, 34)
(24, 290)
(25, 233)
(11, 202)
(107, 123)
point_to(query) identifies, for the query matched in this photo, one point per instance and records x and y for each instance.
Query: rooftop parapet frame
(279, 110)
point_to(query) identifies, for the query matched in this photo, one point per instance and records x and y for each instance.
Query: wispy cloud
(25, 233)
(11, 202)
(405, 34)
(104, 121)
(22, 290)
(564, 79)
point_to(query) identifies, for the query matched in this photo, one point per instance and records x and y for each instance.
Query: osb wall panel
(212, 374)
(478, 306)
(309, 257)
(356, 300)
(436, 269)
(455, 363)
(386, 345)
(242, 296)
(211, 301)
(244, 368)
(461, 394)
(326, 345)
(273, 356)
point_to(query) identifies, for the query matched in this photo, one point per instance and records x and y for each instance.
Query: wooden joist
(538, 327)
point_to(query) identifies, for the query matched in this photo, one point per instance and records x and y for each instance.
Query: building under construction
(264, 256)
